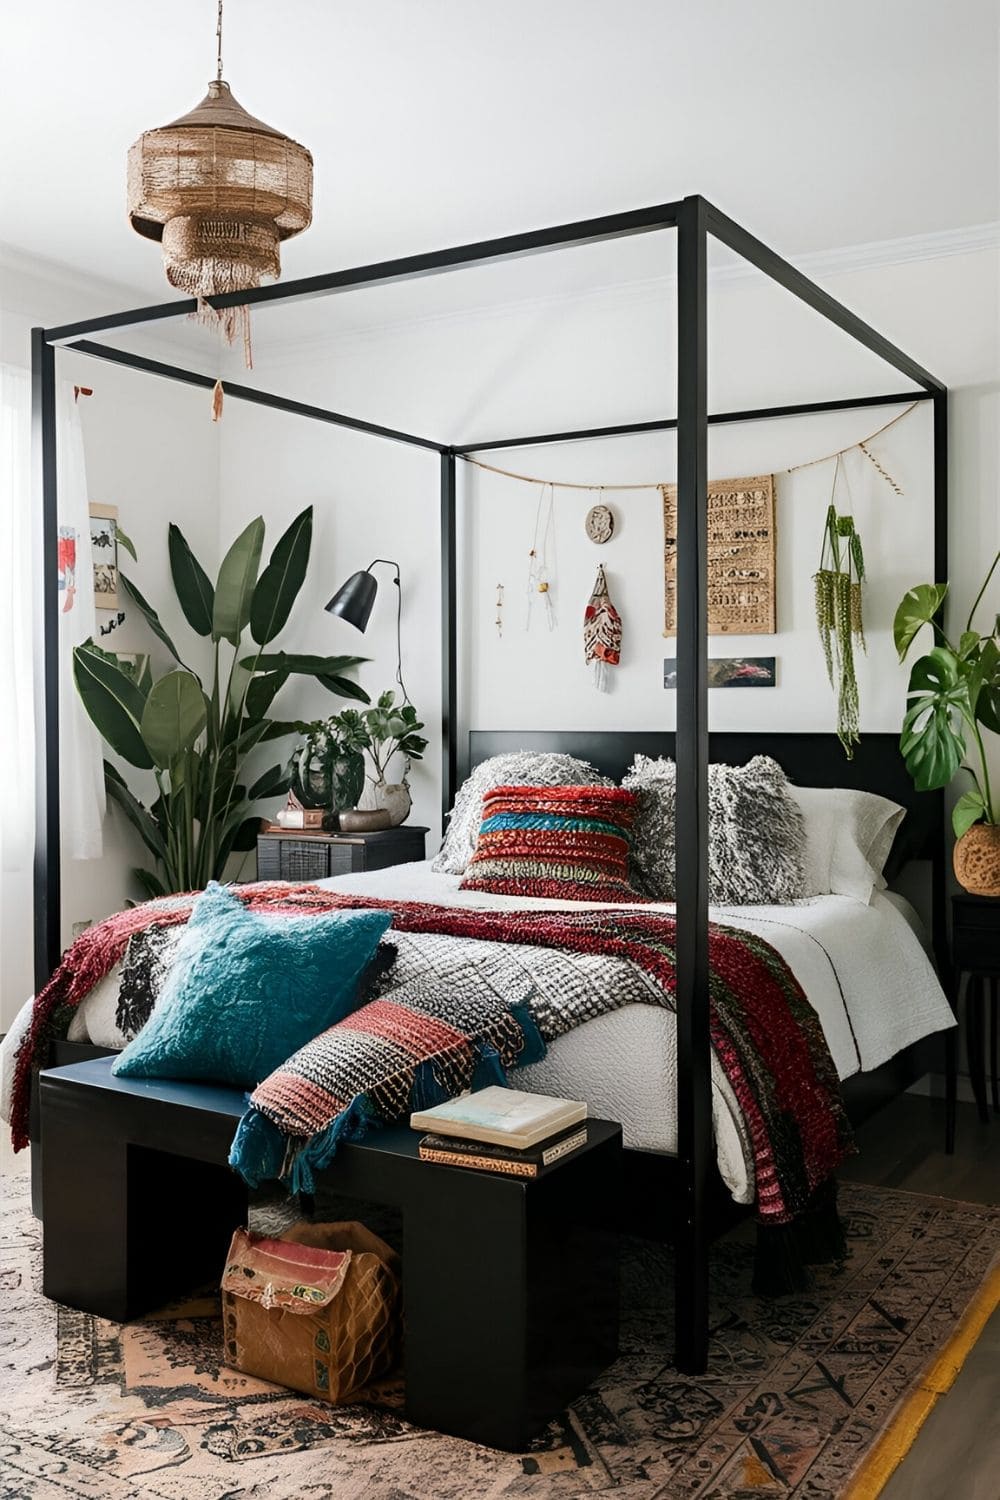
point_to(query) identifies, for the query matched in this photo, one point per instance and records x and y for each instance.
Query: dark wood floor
(957, 1454)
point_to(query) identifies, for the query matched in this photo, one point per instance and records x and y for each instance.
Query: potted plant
(328, 769)
(195, 732)
(953, 696)
(391, 731)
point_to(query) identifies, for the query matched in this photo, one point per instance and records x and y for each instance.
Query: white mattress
(865, 970)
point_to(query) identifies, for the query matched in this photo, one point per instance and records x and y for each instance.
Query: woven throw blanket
(767, 1037)
(423, 1043)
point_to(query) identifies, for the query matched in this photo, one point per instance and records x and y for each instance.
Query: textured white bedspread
(863, 968)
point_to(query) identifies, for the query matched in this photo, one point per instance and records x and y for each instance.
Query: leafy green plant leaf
(149, 614)
(124, 540)
(344, 687)
(235, 587)
(968, 810)
(262, 691)
(140, 817)
(917, 608)
(277, 729)
(191, 583)
(302, 664)
(932, 742)
(114, 702)
(273, 783)
(281, 580)
(173, 717)
(151, 884)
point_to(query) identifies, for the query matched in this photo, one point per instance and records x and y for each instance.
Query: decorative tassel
(217, 399)
(602, 633)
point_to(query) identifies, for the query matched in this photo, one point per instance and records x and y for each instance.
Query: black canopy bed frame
(690, 1184)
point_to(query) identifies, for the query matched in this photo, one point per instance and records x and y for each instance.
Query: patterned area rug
(797, 1393)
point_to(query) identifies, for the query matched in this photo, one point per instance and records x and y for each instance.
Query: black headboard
(807, 759)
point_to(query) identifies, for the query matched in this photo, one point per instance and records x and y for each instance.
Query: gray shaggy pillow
(756, 833)
(756, 836)
(517, 768)
(651, 857)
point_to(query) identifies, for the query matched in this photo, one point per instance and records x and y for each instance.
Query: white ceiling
(442, 121)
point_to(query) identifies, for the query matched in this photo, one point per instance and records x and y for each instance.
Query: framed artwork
(729, 671)
(741, 574)
(104, 547)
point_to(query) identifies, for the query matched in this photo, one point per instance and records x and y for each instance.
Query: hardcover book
(454, 1150)
(503, 1117)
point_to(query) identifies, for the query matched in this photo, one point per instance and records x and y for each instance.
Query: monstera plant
(193, 733)
(953, 696)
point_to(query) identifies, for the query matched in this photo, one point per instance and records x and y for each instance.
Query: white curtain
(17, 573)
(82, 787)
(81, 774)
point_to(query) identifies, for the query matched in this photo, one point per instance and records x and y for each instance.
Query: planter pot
(392, 796)
(977, 860)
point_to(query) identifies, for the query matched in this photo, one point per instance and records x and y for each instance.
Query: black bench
(510, 1285)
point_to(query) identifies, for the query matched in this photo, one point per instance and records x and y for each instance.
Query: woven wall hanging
(220, 190)
(741, 571)
(602, 632)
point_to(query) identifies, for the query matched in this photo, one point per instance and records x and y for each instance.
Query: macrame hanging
(220, 190)
(541, 564)
(838, 611)
(602, 632)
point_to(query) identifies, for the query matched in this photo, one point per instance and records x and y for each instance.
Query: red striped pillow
(568, 843)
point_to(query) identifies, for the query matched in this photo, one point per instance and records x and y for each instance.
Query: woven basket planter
(977, 860)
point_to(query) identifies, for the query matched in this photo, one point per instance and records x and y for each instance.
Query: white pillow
(848, 838)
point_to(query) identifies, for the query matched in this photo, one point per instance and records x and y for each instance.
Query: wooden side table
(975, 946)
(297, 855)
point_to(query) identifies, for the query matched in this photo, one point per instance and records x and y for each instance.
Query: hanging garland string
(566, 484)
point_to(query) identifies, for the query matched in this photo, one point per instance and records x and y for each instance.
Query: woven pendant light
(220, 190)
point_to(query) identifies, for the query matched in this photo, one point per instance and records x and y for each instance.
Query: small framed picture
(729, 671)
(104, 547)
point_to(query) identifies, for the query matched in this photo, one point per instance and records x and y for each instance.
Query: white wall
(574, 361)
(152, 450)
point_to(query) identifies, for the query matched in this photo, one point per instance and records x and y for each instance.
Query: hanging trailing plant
(839, 615)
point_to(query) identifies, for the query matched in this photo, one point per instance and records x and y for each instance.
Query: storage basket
(316, 1310)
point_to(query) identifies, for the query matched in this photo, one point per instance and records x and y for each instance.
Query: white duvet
(864, 969)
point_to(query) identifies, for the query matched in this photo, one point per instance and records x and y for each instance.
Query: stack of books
(502, 1130)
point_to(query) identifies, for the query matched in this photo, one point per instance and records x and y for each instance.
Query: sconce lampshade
(355, 599)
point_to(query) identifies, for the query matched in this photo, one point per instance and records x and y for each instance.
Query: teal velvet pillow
(246, 991)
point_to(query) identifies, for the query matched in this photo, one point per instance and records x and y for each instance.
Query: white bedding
(863, 968)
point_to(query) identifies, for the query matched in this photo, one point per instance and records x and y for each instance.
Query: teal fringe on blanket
(262, 1153)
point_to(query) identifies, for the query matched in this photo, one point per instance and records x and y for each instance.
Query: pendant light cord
(218, 45)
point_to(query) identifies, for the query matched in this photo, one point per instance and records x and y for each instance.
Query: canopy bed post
(47, 925)
(694, 1095)
(449, 638)
(939, 934)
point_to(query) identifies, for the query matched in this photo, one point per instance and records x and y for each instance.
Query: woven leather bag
(316, 1310)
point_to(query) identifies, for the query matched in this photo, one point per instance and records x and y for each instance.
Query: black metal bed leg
(691, 1302)
(950, 1088)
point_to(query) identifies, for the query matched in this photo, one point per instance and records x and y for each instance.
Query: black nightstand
(975, 947)
(313, 856)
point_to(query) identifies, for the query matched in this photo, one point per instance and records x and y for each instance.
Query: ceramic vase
(393, 796)
(977, 860)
